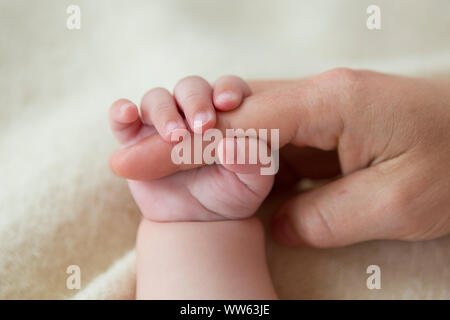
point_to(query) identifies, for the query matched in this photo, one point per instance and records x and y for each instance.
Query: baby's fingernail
(171, 126)
(178, 135)
(124, 108)
(227, 96)
(200, 119)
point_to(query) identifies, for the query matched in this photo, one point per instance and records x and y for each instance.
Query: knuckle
(157, 90)
(154, 92)
(189, 79)
(342, 75)
(193, 77)
(343, 78)
(348, 85)
(192, 96)
(162, 107)
(346, 73)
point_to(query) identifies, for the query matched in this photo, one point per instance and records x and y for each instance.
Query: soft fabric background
(60, 205)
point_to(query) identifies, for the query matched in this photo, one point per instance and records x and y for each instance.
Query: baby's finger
(194, 96)
(159, 108)
(229, 91)
(124, 120)
(250, 159)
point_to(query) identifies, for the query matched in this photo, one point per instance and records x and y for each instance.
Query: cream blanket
(60, 205)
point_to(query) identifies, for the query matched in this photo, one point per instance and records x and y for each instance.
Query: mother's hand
(392, 137)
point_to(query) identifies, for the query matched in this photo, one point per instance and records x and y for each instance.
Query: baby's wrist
(188, 214)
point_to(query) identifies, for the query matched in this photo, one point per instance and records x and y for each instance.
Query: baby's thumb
(253, 162)
(349, 210)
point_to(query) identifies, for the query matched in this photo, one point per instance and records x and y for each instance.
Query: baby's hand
(206, 193)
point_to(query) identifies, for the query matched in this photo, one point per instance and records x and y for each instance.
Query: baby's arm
(195, 260)
(202, 260)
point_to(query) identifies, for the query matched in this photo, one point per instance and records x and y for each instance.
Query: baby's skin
(212, 192)
(186, 259)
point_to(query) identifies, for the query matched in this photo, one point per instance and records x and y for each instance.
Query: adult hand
(392, 137)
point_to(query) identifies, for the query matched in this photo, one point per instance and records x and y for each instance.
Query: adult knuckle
(344, 75)
(347, 85)
(346, 80)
